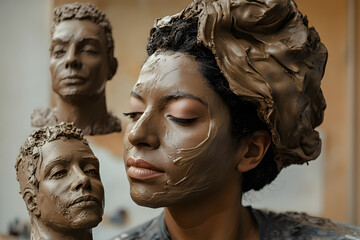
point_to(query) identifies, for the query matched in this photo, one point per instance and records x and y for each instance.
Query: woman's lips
(141, 169)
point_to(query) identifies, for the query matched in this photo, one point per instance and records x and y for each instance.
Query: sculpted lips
(87, 200)
(73, 80)
(141, 169)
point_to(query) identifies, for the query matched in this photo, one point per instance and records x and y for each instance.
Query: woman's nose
(72, 59)
(145, 132)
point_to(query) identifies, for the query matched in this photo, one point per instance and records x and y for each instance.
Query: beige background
(25, 84)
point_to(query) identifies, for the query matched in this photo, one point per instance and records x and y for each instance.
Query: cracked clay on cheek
(271, 57)
(186, 153)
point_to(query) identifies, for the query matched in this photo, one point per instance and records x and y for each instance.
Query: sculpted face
(178, 145)
(78, 61)
(70, 193)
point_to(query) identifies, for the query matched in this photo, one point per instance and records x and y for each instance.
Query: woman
(229, 95)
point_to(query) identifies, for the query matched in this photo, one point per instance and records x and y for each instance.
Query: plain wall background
(25, 85)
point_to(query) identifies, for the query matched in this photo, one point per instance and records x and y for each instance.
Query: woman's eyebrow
(183, 95)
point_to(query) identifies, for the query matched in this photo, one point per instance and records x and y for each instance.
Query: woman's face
(178, 145)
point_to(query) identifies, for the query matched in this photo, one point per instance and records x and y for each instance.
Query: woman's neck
(217, 216)
(86, 115)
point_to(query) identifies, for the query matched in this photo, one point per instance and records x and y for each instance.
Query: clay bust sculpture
(81, 62)
(229, 95)
(60, 183)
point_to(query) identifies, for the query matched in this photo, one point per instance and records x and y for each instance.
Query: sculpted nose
(145, 133)
(81, 181)
(72, 60)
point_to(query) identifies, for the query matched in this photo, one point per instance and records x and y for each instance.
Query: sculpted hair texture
(181, 36)
(30, 154)
(86, 11)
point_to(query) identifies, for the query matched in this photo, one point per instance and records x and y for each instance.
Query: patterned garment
(272, 226)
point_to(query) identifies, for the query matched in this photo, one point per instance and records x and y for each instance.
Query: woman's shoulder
(153, 229)
(288, 225)
(295, 225)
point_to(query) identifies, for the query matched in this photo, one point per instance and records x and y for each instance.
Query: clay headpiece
(27, 160)
(270, 57)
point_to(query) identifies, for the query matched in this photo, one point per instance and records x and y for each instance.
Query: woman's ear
(30, 199)
(252, 150)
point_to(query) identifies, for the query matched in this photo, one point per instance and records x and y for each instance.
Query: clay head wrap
(270, 57)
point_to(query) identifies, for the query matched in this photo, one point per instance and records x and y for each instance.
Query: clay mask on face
(178, 145)
(271, 57)
(70, 194)
(78, 61)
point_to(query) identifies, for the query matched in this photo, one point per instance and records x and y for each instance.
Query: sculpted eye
(58, 54)
(59, 174)
(90, 50)
(58, 51)
(133, 115)
(92, 172)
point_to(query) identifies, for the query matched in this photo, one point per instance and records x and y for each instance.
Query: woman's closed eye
(185, 111)
(133, 115)
(182, 121)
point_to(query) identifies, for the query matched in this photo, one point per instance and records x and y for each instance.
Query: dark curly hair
(181, 36)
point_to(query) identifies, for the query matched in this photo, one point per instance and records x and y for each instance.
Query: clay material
(256, 45)
(177, 160)
(48, 117)
(81, 62)
(60, 183)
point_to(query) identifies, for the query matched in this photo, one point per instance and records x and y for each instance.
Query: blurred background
(328, 187)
